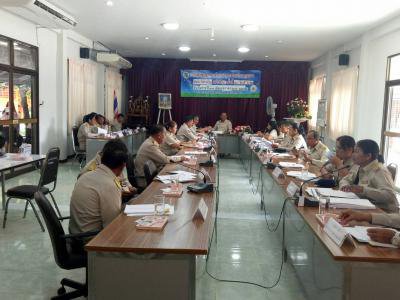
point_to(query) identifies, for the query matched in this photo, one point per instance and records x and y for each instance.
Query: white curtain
(113, 84)
(315, 94)
(82, 90)
(342, 102)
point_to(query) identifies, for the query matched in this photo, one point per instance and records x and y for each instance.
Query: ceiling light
(109, 3)
(163, 54)
(146, 38)
(212, 39)
(170, 26)
(184, 48)
(214, 54)
(243, 49)
(279, 41)
(266, 56)
(249, 27)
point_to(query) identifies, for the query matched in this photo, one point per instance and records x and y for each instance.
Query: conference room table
(325, 270)
(96, 144)
(127, 263)
(11, 161)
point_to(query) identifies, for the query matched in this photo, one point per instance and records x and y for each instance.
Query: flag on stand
(115, 106)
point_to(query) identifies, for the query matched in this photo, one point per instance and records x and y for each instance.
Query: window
(316, 92)
(391, 122)
(19, 96)
(342, 102)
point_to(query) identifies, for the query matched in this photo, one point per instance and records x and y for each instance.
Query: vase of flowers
(298, 109)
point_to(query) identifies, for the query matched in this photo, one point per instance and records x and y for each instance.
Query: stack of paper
(335, 193)
(286, 164)
(195, 152)
(351, 203)
(139, 209)
(361, 235)
(183, 177)
(301, 176)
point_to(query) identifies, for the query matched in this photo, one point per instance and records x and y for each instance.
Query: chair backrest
(130, 170)
(74, 136)
(393, 170)
(50, 168)
(150, 171)
(54, 228)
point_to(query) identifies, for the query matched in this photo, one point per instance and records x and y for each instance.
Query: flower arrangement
(298, 108)
(242, 128)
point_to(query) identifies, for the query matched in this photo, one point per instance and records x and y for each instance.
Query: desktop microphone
(308, 202)
(198, 187)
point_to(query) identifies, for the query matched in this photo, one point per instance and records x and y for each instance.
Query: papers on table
(351, 203)
(286, 164)
(195, 152)
(361, 235)
(183, 177)
(282, 155)
(334, 193)
(301, 176)
(145, 210)
(217, 132)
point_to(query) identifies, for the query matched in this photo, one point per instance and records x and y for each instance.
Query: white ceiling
(308, 28)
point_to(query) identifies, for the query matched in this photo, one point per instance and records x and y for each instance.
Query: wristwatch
(396, 239)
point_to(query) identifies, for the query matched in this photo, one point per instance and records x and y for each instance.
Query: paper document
(351, 203)
(146, 210)
(195, 152)
(286, 164)
(335, 193)
(361, 235)
(301, 176)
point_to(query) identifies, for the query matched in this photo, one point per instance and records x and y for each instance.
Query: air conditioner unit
(40, 12)
(113, 60)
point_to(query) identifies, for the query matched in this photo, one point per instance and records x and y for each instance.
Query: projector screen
(220, 84)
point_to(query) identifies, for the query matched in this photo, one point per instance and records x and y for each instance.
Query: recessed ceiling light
(184, 48)
(170, 26)
(146, 38)
(279, 41)
(163, 54)
(243, 49)
(109, 3)
(249, 27)
(266, 56)
(214, 54)
(212, 39)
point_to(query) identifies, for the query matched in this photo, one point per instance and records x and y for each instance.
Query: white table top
(13, 160)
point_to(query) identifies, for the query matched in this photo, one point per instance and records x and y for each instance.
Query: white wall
(369, 52)
(55, 47)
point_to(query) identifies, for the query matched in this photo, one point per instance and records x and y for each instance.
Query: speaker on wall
(344, 59)
(84, 52)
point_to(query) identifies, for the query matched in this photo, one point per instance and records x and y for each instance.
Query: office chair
(68, 249)
(150, 171)
(132, 178)
(393, 170)
(48, 175)
(80, 155)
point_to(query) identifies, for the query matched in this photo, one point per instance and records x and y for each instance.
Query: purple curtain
(283, 81)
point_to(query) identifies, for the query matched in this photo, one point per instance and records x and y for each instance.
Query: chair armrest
(80, 235)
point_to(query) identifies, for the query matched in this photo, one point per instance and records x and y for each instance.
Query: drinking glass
(159, 204)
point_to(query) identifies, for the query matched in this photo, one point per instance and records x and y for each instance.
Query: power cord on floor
(282, 257)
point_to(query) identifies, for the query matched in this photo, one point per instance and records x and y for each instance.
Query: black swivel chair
(67, 248)
(80, 155)
(130, 170)
(150, 171)
(48, 175)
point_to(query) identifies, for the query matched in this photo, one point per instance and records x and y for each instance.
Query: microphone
(312, 203)
(198, 187)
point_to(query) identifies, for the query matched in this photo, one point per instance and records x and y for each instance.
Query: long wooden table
(126, 263)
(325, 270)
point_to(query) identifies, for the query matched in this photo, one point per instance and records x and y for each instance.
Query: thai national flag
(115, 105)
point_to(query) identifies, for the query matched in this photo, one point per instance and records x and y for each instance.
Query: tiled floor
(245, 251)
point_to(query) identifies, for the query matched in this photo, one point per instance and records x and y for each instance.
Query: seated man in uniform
(380, 235)
(96, 198)
(317, 153)
(86, 129)
(171, 145)
(195, 129)
(369, 178)
(150, 150)
(185, 134)
(223, 124)
(293, 140)
(118, 123)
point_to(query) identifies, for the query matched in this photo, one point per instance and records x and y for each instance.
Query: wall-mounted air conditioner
(113, 60)
(40, 12)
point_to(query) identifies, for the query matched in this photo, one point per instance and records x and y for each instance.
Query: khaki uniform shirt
(319, 154)
(294, 142)
(95, 200)
(225, 127)
(194, 129)
(377, 183)
(169, 140)
(330, 168)
(149, 150)
(389, 220)
(91, 165)
(115, 126)
(185, 134)
(274, 135)
(83, 133)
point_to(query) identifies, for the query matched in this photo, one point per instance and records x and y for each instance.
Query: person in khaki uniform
(150, 150)
(170, 145)
(85, 130)
(195, 129)
(293, 140)
(317, 153)
(369, 178)
(381, 235)
(185, 134)
(223, 124)
(344, 157)
(96, 198)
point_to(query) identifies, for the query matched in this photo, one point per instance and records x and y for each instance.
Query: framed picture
(164, 101)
